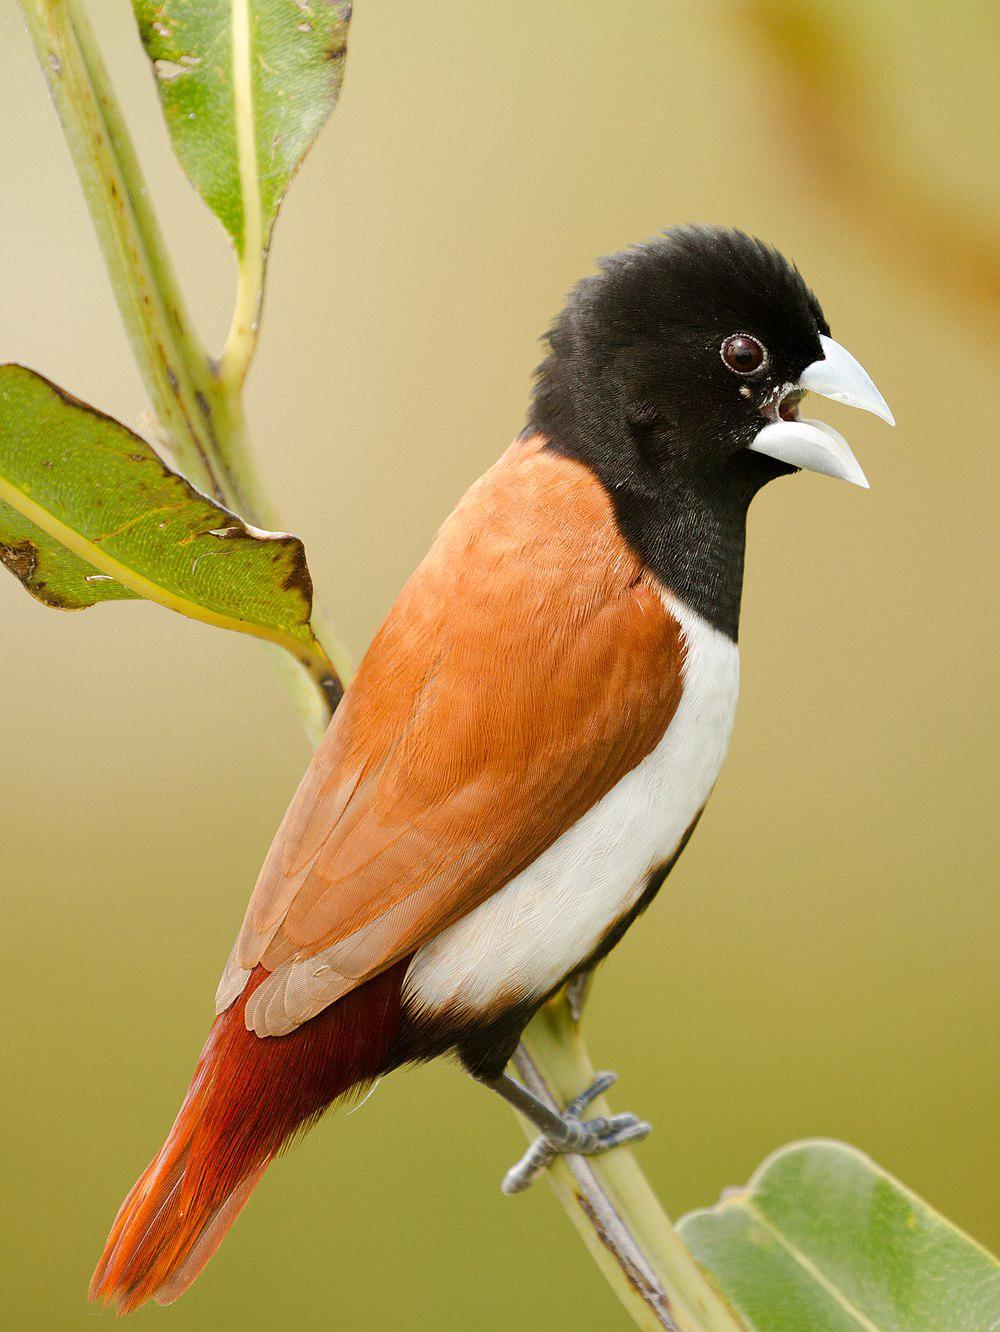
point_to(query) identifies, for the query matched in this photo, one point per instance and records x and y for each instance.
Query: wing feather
(528, 664)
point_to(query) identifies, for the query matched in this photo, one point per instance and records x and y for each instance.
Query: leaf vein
(810, 1267)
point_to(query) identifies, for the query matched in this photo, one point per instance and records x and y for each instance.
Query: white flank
(542, 924)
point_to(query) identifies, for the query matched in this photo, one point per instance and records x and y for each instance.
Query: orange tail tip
(248, 1096)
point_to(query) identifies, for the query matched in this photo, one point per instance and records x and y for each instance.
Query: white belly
(551, 917)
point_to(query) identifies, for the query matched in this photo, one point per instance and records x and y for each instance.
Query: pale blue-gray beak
(813, 445)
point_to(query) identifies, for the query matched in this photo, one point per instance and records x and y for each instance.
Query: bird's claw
(602, 1083)
(584, 1137)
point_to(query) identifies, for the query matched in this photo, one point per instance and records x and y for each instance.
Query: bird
(528, 742)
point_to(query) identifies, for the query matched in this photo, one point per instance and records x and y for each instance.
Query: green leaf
(823, 1239)
(89, 513)
(245, 86)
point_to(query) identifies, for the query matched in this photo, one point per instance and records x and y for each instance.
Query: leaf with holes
(245, 87)
(89, 513)
(823, 1238)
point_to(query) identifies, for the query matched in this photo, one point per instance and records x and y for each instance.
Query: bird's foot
(584, 1137)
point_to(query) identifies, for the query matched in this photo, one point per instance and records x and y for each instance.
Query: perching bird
(530, 738)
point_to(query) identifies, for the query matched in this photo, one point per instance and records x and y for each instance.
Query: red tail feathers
(248, 1096)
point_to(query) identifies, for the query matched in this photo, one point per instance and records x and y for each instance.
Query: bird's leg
(566, 1133)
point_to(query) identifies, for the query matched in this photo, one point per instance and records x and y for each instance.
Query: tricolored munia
(529, 740)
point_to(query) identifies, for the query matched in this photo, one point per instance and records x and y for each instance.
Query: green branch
(201, 415)
(610, 1200)
(165, 346)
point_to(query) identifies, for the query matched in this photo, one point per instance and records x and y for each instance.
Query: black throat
(687, 527)
(636, 387)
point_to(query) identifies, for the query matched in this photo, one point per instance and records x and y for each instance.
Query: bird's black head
(675, 373)
(676, 352)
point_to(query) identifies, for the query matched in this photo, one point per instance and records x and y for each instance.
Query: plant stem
(164, 343)
(609, 1199)
(242, 338)
(201, 415)
(200, 406)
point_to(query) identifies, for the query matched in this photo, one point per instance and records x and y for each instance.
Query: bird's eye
(743, 354)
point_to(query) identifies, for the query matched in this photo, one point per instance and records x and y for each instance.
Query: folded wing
(528, 664)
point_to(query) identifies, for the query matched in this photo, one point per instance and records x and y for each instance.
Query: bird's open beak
(814, 445)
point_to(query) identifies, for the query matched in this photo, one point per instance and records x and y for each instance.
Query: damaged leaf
(245, 87)
(823, 1238)
(89, 513)
(50, 572)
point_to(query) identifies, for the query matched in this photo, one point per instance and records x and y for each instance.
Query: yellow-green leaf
(89, 513)
(823, 1240)
(245, 87)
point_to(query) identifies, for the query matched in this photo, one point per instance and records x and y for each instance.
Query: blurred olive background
(824, 960)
